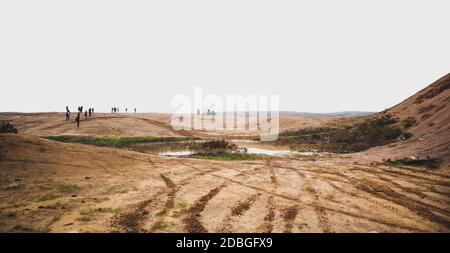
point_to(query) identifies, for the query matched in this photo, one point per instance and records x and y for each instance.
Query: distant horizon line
(162, 112)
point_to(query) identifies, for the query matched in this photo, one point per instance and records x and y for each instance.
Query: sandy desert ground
(48, 186)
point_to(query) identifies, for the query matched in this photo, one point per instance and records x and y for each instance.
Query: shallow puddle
(270, 152)
(177, 153)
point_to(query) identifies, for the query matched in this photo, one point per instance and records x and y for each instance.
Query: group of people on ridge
(87, 113)
(116, 110)
(210, 112)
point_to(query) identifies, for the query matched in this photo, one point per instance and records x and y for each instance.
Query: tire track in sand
(170, 202)
(313, 205)
(192, 221)
(170, 195)
(289, 215)
(238, 210)
(270, 215)
(132, 221)
(319, 210)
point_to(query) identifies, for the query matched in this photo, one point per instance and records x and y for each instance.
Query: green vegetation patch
(48, 196)
(68, 188)
(6, 127)
(159, 226)
(427, 163)
(86, 215)
(372, 131)
(409, 122)
(114, 141)
(22, 228)
(181, 205)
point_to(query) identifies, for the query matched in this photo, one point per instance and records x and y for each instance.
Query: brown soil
(119, 190)
(48, 186)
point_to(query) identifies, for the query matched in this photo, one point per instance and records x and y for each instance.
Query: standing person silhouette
(78, 120)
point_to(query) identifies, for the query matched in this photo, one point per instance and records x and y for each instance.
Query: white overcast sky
(319, 56)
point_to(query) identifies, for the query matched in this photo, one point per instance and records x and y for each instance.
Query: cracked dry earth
(124, 191)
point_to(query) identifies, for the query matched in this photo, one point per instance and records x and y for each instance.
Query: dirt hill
(426, 115)
(429, 109)
(140, 124)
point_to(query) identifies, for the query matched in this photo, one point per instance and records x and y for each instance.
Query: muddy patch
(192, 221)
(171, 194)
(131, 222)
(242, 207)
(288, 216)
(270, 216)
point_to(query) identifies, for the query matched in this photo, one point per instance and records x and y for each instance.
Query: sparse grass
(107, 210)
(100, 199)
(176, 214)
(56, 205)
(159, 226)
(178, 209)
(84, 218)
(409, 122)
(115, 141)
(48, 196)
(6, 127)
(68, 188)
(116, 210)
(218, 145)
(90, 213)
(181, 205)
(87, 212)
(25, 229)
(429, 163)
(126, 190)
(44, 187)
(151, 144)
(42, 230)
(86, 215)
(369, 132)
(22, 228)
(425, 108)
